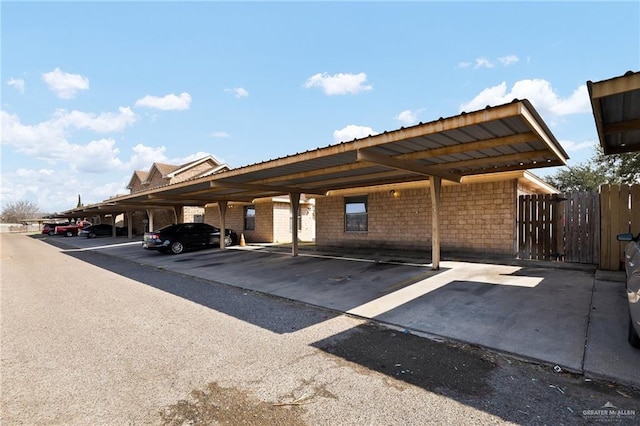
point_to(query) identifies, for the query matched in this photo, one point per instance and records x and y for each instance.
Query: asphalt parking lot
(573, 318)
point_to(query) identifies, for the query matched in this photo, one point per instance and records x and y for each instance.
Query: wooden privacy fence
(537, 227)
(579, 227)
(559, 227)
(620, 213)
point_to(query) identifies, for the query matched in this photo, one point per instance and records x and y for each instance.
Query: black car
(101, 230)
(179, 237)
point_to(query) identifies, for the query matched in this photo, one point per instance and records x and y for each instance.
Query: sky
(92, 91)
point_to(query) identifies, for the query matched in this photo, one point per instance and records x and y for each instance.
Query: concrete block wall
(308, 216)
(478, 217)
(235, 220)
(282, 223)
(162, 218)
(264, 222)
(190, 212)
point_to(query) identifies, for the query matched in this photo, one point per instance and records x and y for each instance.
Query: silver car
(632, 268)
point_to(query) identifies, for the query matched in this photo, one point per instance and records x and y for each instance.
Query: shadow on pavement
(253, 307)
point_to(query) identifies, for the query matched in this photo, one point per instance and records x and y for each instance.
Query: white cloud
(49, 140)
(65, 85)
(571, 146)
(577, 103)
(352, 132)
(483, 63)
(18, 83)
(408, 117)
(220, 135)
(238, 92)
(339, 84)
(43, 140)
(105, 122)
(143, 156)
(189, 158)
(167, 102)
(96, 157)
(539, 92)
(508, 60)
(52, 191)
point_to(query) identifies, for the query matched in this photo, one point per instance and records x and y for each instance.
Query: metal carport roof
(616, 109)
(496, 139)
(502, 138)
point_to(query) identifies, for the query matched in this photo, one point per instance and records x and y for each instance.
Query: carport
(503, 138)
(616, 110)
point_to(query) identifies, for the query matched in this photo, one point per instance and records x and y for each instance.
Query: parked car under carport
(179, 237)
(632, 269)
(101, 230)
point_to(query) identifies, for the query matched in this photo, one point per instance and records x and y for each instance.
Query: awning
(616, 109)
(502, 138)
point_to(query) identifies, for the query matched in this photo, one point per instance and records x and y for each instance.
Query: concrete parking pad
(608, 355)
(544, 312)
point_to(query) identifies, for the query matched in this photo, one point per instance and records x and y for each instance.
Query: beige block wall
(162, 218)
(190, 212)
(282, 223)
(272, 221)
(234, 218)
(477, 217)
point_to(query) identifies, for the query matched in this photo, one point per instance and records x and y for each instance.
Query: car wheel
(92, 235)
(69, 234)
(176, 247)
(634, 339)
(52, 233)
(228, 241)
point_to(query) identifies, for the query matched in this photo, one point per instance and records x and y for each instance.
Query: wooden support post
(179, 213)
(129, 218)
(150, 218)
(222, 208)
(113, 222)
(435, 184)
(295, 212)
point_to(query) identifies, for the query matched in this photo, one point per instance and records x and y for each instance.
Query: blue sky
(93, 91)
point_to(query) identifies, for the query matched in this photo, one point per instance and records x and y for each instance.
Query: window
(355, 213)
(249, 218)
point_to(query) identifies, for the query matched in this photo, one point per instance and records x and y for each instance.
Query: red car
(50, 228)
(68, 230)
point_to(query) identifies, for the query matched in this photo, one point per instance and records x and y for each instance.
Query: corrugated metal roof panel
(503, 138)
(616, 109)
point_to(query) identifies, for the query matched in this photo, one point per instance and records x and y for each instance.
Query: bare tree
(19, 211)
